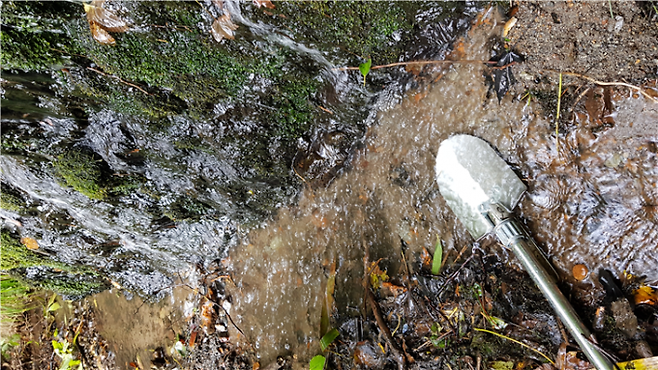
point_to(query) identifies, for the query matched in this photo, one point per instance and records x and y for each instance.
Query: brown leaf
(192, 340)
(30, 243)
(106, 19)
(208, 317)
(223, 27)
(100, 34)
(266, 3)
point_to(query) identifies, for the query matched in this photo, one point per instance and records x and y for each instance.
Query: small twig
(229, 318)
(422, 62)
(119, 79)
(515, 341)
(454, 275)
(578, 99)
(602, 83)
(397, 353)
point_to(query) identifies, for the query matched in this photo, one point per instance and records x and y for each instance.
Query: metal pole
(514, 236)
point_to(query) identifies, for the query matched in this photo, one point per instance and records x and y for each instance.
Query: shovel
(481, 190)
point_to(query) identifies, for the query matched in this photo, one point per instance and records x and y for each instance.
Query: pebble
(580, 272)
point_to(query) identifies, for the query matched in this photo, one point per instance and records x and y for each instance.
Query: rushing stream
(366, 169)
(581, 207)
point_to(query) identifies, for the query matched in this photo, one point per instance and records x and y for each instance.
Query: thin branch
(397, 353)
(602, 83)
(515, 341)
(420, 62)
(119, 79)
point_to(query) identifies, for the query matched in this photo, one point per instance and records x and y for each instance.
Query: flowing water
(580, 207)
(591, 201)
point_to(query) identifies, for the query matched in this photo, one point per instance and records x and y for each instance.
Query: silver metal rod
(526, 250)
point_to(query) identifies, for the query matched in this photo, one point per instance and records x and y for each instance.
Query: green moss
(16, 255)
(72, 286)
(11, 202)
(360, 28)
(34, 42)
(125, 185)
(82, 171)
(294, 111)
(59, 277)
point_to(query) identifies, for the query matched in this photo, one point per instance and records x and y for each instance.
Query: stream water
(582, 208)
(591, 201)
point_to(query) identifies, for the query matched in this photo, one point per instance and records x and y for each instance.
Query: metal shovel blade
(481, 189)
(472, 175)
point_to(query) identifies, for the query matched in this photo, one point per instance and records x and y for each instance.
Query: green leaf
(328, 338)
(496, 322)
(57, 346)
(53, 307)
(438, 257)
(317, 362)
(365, 68)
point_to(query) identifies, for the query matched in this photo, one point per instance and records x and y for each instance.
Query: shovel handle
(514, 235)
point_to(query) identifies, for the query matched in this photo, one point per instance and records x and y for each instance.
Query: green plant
(365, 69)
(437, 260)
(6, 344)
(64, 350)
(13, 297)
(317, 362)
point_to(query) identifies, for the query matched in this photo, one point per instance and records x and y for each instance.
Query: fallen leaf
(192, 340)
(208, 317)
(100, 34)
(646, 295)
(394, 289)
(266, 3)
(426, 257)
(30, 243)
(223, 27)
(104, 18)
(503, 78)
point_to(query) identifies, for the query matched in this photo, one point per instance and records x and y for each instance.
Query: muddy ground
(431, 320)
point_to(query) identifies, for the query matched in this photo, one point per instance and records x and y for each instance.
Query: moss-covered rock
(15, 255)
(82, 171)
(10, 201)
(73, 280)
(32, 41)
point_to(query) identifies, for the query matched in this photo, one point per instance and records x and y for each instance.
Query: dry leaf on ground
(223, 27)
(104, 18)
(30, 243)
(266, 3)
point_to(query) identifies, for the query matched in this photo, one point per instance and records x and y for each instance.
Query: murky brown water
(594, 204)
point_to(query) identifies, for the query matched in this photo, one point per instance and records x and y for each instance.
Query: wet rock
(625, 319)
(368, 355)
